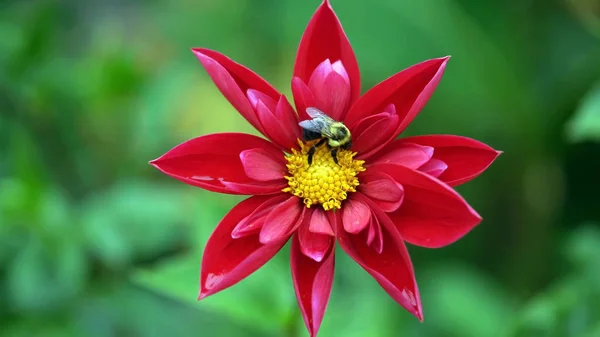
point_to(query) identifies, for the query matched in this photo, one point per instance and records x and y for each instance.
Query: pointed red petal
(282, 220)
(386, 193)
(312, 282)
(432, 214)
(288, 120)
(403, 153)
(466, 158)
(434, 167)
(234, 81)
(324, 39)
(408, 90)
(213, 162)
(330, 89)
(252, 224)
(374, 135)
(355, 216)
(392, 268)
(319, 223)
(303, 97)
(261, 166)
(278, 121)
(227, 261)
(313, 245)
(365, 123)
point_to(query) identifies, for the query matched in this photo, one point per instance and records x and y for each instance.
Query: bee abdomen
(310, 135)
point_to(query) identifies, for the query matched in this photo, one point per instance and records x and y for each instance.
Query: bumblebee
(331, 132)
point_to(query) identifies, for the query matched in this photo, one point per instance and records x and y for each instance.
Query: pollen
(323, 182)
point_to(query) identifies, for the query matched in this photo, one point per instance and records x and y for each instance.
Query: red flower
(382, 193)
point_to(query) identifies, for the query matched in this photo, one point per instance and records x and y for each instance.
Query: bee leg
(334, 155)
(311, 151)
(333, 151)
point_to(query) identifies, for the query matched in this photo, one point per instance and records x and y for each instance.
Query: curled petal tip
(202, 295)
(318, 257)
(197, 51)
(499, 153)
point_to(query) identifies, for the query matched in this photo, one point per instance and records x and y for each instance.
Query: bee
(331, 132)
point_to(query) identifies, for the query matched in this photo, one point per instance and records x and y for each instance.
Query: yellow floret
(323, 182)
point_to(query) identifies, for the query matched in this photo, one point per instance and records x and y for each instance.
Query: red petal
(330, 89)
(356, 216)
(303, 97)
(248, 226)
(403, 153)
(272, 126)
(375, 235)
(261, 166)
(278, 119)
(466, 158)
(244, 77)
(255, 96)
(227, 261)
(233, 80)
(213, 162)
(313, 245)
(253, 223)
(312, 282)
(289, 127)
(382, 190)
(324, 39)
(432, 214)
(319, 224)
(365, 123)
(282, 220)
(391, 268)
(240, 85)
(374, 135)
(434, 167)
(408, 90)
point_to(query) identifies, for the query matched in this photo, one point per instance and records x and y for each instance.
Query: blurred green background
(95, 242)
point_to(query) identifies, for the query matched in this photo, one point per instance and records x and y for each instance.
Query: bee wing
(312, 125)
(319, 126)
(315, 113)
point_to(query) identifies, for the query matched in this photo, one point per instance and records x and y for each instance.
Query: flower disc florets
(323, 182)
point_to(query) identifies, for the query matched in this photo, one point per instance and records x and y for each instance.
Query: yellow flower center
(323, 182)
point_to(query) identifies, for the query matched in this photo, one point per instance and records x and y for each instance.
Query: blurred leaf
(51, 326)
(12, 198)
(44, 276)
(585, 124)
(122, 309)
(263, 300)
(583, 247)
(588, 12)
(55, 214)
(135, 220)
(11, 42)
(464, 302)
(569, 306)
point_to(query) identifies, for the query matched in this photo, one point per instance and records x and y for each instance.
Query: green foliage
(95, 242)
(585, 124)
(133, 221)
